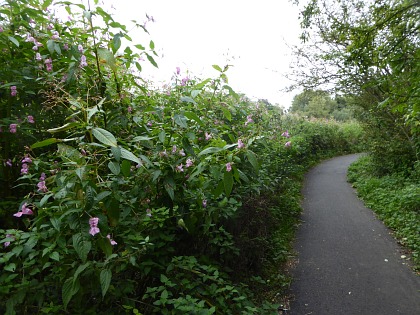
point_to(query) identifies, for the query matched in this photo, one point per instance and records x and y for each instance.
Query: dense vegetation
(368, 52)
(121, 198)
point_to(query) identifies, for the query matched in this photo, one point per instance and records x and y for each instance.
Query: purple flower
(26, 159)
(29, 38)
(184, 81)
(93, 222)
(66, 46)
(12, 128)
(80, 48)
(9, 163)
(181, 152)
(288, 144)
(31, 119)
(248, 120)
(13, 90)
(180, 168)
(25, 169)
(163, 153)
(1, 29)
(38, 57)
(285, 134)
(189, 163)
(240, 144)
(55, 36)
(208, 136)
(43, 176)
(111, 240)
(83, 62)
(149, 124)
(204, 203)
(50, 27)
(48, 63)
(178, 70)
(130, 109)
(42, 187)
(149, 213)
(25, 210)
(174, 149)
(228, 167)
(5, 244)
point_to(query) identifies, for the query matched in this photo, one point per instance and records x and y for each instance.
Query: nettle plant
(118, 185)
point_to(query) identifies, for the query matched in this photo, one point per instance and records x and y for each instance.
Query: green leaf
(210, 150)
(152, 45)
(104, 137)
(217, 68)
(228, 182)
(70, 288)
(44, 200)
(80, 172)
(227, 113)
(13, 40)
(44, 143)
(252, 158)
(79, 270)
(51, 46)
(55, 256)
(116, 42)
(126, 168)
(105, 280)
(138, 66)
(64, 128)
(113, 212)
(187, 99)
(142, 138)
(10, 267)
(193, 116)
(180, 120)
(114, 167)
(82, 246)
(169, 185)
(107, 56)
(125, 154)
(90, 194)
(151, 60)
(116, 152)
(162, 136)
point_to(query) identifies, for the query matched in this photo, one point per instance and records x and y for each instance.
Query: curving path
(347, 261)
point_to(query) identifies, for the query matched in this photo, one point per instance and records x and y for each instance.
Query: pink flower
(38, 57)
(149, 124)
(181, 152)
(13, 90)
(208, 136)
(5, 244)
(240, 144)
(12, 128)
(93, 222)
(163, 153)
(31, 119)
(184, 81)
(80, 49)
(66, 46)
(111, 240)
(29, 38)
(27, 159)
(248, 120)
(149, 213)
(178, 70)
(189, 163)
(228, 167)
(83, 62)
(204, 203)
(174, 149)
(42, 187)
(180, 168)
(129, 109)
(55, 36)
(1, 29)
(285, 134)
(9, 163)
(25, 210)
(288, 144)
(43, 176)
(25, 169)
(50, 27)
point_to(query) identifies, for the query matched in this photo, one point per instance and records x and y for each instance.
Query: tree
(370, 50)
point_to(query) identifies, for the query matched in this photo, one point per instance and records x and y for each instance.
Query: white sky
(253, 36)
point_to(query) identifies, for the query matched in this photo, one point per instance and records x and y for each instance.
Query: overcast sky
(253, 36)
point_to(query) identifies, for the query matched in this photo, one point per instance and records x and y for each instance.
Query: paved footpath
(347, 261)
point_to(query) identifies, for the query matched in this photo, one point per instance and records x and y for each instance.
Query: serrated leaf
(90, 194)
(79, 270)
(104, 137)
(70, 288)
(81, 245)
(105, 280)
(55, 256)
(114, 167)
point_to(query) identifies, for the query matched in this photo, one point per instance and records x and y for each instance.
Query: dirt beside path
(348, 263)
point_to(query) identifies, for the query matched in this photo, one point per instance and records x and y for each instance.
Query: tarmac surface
(348, 263)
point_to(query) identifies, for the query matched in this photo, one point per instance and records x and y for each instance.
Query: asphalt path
(347, 261)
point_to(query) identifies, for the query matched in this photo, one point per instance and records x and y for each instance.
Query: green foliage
(122, 198)
(368, 50)
(396, 200)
